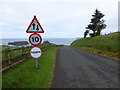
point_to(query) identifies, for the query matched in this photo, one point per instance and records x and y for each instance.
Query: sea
(57, 41)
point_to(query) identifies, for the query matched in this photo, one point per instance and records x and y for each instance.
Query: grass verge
(25, 75)
(106, 45)
(3, 47)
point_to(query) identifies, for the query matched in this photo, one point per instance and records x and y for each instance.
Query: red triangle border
(31, 24)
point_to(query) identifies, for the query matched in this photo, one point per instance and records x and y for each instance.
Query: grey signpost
(36, 63)
(36, 52)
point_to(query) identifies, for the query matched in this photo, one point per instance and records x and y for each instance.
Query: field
(106, 45)
(25, 75)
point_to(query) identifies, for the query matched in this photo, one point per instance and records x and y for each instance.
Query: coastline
(58, 41)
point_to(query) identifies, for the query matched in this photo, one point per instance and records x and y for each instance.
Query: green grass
(106, 45)
(12, 53)
(17, 52)
(2, 47)
(25, 75)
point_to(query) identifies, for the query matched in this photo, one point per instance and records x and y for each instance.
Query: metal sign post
(35, 39)
(36, 63)
(36, 52)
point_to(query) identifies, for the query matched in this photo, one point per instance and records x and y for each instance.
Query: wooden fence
(11, 57)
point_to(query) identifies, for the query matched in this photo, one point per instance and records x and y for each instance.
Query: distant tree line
(96, 25)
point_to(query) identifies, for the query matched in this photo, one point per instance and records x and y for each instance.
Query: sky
(59, 18)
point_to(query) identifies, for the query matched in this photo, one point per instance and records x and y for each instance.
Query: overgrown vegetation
(105, 44)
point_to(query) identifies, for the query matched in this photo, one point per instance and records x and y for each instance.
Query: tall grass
(105, 44)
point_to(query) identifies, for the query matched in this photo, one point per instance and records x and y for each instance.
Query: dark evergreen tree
(96, 24)
(86, 33)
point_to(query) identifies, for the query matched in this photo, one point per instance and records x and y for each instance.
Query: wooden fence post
(23, 50)
(8, 56)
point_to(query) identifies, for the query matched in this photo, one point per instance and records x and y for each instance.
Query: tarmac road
(81, 69)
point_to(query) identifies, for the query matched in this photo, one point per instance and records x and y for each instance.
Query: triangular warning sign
(34, 27)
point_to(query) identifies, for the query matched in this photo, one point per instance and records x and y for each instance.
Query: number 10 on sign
(35, 39)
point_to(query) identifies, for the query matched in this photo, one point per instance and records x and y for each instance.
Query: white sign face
(35, 39)
(35, 26)
(35, 52)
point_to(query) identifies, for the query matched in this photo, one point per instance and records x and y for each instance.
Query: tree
(86, 33)
(96, 24)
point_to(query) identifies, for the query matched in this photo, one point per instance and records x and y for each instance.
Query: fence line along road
(11, 57)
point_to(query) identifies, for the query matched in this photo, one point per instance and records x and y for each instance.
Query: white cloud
(46, 1)
(59, 18)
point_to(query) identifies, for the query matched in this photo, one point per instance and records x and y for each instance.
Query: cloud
(59, 18)
(58, 1)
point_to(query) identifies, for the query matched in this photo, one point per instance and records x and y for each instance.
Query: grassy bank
(106, 45)
(25, 75)
(3, 47)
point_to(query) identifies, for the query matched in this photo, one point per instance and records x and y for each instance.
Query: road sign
(34, 27)
(35, 39)
(35, 52)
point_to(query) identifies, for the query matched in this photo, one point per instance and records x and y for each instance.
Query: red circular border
(35, 44)
(31, 49)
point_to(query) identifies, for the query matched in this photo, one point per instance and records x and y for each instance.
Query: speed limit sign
(35, 39)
